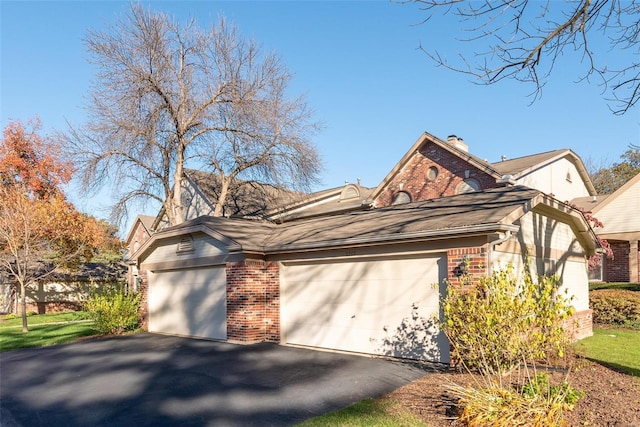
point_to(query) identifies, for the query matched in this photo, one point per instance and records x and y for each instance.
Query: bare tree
(523, 40)
(169, 96)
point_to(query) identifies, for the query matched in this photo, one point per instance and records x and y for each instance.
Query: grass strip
(41, 335)
(367, 412)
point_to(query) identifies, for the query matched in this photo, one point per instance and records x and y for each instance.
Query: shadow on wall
(416, 337)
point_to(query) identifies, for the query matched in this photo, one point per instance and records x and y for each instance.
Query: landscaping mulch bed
(612, 398)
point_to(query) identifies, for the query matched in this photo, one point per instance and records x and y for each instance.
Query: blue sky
(358, 64)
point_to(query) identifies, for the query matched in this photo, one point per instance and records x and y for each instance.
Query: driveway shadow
(157, 380)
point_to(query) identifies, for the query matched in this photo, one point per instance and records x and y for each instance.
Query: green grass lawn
(38, 319)
(616, 348)
(42, 332)
(621, 286)
(367, 412)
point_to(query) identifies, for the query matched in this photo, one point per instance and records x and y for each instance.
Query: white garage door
(189, 302)
(376, 306)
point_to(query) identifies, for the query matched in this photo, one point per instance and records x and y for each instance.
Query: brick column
(475, 258)
(634, 256)
(253, 301)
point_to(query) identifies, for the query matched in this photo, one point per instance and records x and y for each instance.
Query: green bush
(616, 307)
(506, 320)
(114, 312)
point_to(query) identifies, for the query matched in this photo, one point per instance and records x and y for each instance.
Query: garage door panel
(190, 302)
(365, 306)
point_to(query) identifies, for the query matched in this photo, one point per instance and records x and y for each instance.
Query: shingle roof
(436, 216)
(439, 216)
(245, 198)
(587, 204)
(520, 164)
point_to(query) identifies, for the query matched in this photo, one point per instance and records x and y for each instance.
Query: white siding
(552, 179)
(622, 214)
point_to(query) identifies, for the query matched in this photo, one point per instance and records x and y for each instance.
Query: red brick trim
(253, 301)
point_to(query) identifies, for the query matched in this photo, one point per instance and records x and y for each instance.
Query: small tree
(40, 230)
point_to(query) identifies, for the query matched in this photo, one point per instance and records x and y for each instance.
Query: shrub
(114, 312)
(505, 321)
(616, 307)
(537, 404)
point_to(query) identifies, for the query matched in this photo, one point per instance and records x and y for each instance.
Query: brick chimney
(458, 143)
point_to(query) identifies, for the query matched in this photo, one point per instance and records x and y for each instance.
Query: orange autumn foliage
(40, 230)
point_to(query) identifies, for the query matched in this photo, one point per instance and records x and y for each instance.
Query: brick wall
(475, 258)
(53, 306)
(617, 269)
(580, 325)
(413, 178)
(253, 301)
(143, 290)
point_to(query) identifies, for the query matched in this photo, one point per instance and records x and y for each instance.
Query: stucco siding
(550, 248)
(542, 235)
(560, 178)
(167, 250)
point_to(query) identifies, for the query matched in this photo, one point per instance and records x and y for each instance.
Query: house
(618, 213)
(363, 270)
(140, 231)
(62, 290)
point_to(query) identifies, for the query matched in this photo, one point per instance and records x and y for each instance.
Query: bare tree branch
(523, 40)
(170, 96)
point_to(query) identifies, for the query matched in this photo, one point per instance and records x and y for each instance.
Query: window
(595, 269)
(349, 193)
(432, 173)
(468, 186)
(401, 198)
(568, 176)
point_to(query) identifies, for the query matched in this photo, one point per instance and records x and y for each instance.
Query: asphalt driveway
(156, 380)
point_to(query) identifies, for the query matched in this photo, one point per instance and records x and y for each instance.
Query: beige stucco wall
(548, 246)
(552, 179)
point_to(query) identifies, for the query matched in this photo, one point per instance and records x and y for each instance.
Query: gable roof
(469, 214)
(146, 221)
(245, 198)
(425, 138)
(521, 166)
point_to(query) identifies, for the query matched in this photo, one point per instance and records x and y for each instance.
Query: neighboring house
(618, 213)
(363, 270)
(65, 291)
(140, 232)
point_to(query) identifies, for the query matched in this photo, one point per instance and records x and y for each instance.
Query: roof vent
(503, 158)
(458, 143)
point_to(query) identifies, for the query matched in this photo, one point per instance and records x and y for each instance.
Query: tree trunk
(23, 298)
(225, 182)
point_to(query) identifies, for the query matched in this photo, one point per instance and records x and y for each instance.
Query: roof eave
(573, 217)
